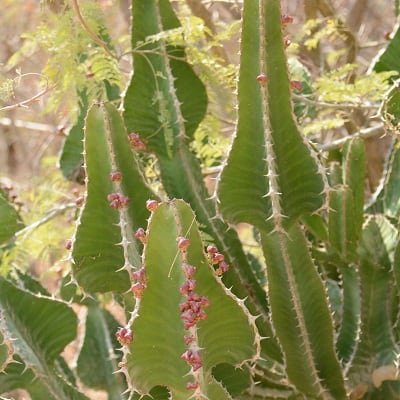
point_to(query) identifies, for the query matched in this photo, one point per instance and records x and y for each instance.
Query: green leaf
(388, 60)
(298, 300)
(235, 380)
(391, 202)
(133, 183)
(41, 328)
(165, 100)
(71, 158)
(225, 336)
(18, 376)
(10, 221)
(100, 226)
(350, 316)
(354, 166)
(97, 355)
(341, 227)
(316, 224)
(270, 172)
(375, 347)
(244, 178)
(96, 253)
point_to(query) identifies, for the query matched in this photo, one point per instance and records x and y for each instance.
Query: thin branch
(334, 105)
(34, 126)
(47, 217)
(27, 102)
(85, 26)
(378, 130)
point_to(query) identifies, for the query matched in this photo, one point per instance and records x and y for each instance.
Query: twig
(100, 42)
(362, 134)
(34, 126)
(48, 217)
(32, 99)
(334, 105)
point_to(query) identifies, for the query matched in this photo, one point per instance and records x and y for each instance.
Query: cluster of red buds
(192, 386)
(296, 85)
(139, 283)
(117, 200)
(214, 257)
(124, 336)
(193, 358)
(286, 20)
(135, 142)
(192, 311)
(140, 234)
(183, 243)
(115, 176)
(151, 205)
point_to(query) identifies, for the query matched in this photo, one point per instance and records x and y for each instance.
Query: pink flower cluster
(192, 311)
(117, 200)
(193, 358)
(124, 336)
(296, 85)
(151, 205)
(286, 20)
(214, 257)
(139, 285)
(135, 142)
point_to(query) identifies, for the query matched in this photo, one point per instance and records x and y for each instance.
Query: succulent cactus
(200, 323)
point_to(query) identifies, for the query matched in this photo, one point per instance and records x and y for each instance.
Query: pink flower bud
(138, 289)
(139, 275)
(140, 234)
(287, 42)
(296, 85)
(79, 201)
(217, 258)
(212, 249)
(286, 19)
(192, 386)
(115, 176)
(135, 142)
(124, 336)
(183, 242)
(189, 270)
(262, 78)
(151, 205)
(222, 268)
